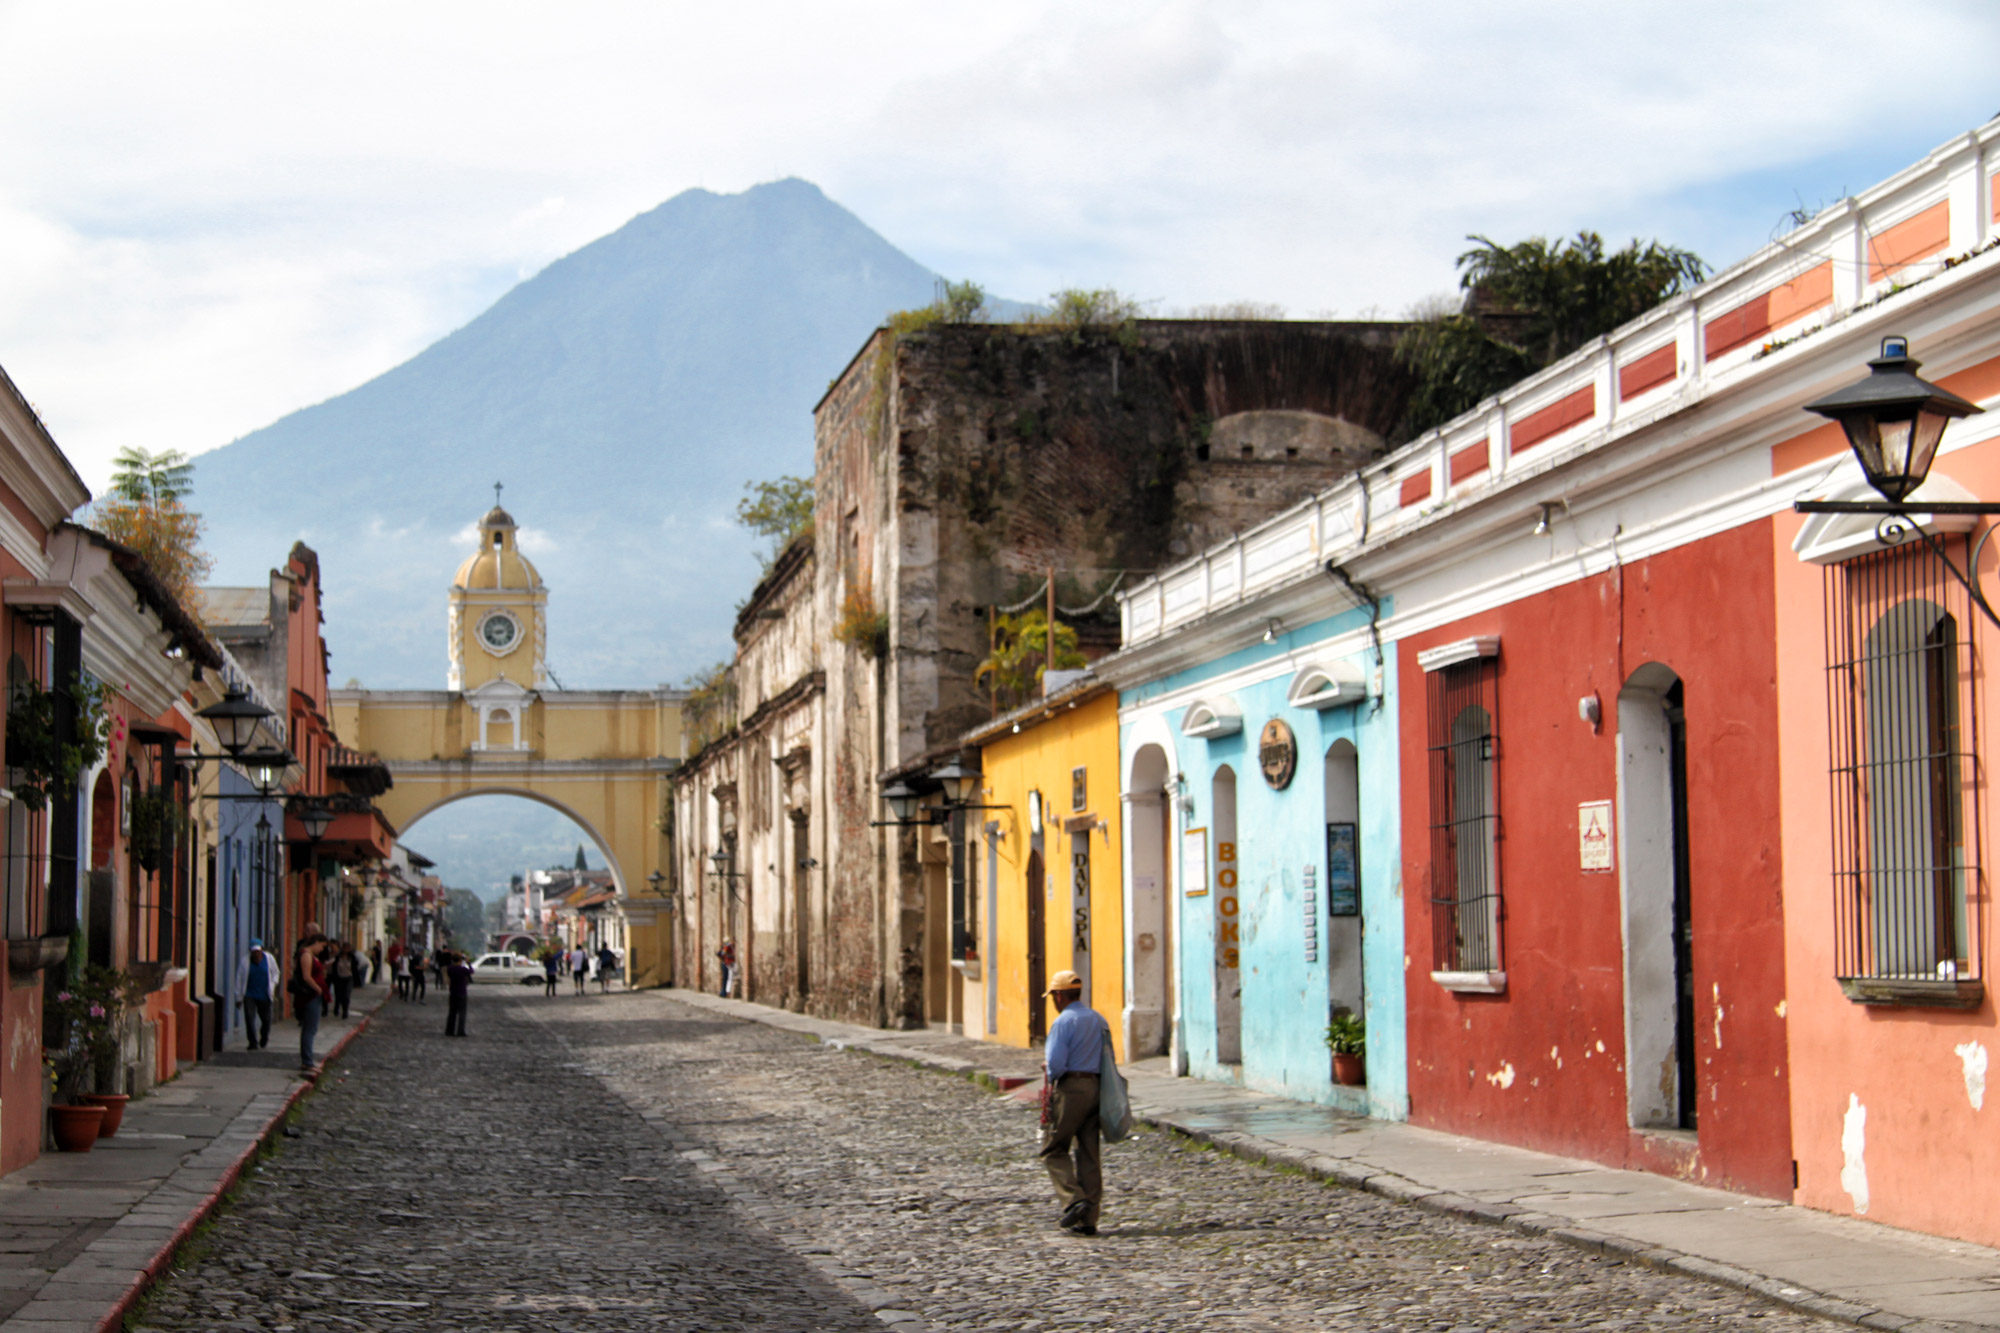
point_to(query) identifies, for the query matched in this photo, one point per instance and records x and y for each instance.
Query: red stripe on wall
(1781, 305)
(1415, 489)
(1470, 461)
(1554, 419)
(1647, 372)
(1908, 241)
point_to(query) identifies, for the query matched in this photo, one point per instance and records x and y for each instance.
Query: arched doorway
(1149, 1018)
(1038, 965)
(1345, 987)
(1660, 1068)
(1228, 922)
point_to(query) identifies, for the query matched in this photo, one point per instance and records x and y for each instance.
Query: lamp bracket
(1897, 522)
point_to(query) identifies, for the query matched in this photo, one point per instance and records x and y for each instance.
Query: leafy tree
(1021, 654)
(1526, 306)
(147, 512)
(781, 510)
(465, 920)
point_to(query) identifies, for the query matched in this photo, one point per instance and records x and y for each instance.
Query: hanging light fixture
(902, 799)
(958, 781)
(235, 717)
(1894, 421)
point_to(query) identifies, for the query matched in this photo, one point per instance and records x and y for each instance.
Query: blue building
(1263, 841)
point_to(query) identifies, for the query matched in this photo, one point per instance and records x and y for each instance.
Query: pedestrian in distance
(402, 966)
(458, 981)
(1070, 1124)
(607, 963)
(437, 967)
(375, 962)
(256, 984)
(345, 966)
(579, 968)
(418, 964)
(310, 992)
(726, 955)
(551, 963)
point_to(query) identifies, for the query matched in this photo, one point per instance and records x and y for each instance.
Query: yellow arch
(576, 817)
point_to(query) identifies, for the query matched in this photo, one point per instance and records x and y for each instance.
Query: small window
(1904, 727)
(1465, 824)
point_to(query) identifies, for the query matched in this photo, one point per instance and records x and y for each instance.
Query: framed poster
(1194, 861)
(1343, 870)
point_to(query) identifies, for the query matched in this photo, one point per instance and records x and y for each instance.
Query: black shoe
(1072, 1216)
(1085, 1230)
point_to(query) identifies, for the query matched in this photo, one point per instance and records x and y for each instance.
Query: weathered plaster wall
(1285, 997)
(1891, 1112)
(1543, 1064)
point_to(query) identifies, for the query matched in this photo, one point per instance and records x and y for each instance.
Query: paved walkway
(82, 1235)
(1859, 1272)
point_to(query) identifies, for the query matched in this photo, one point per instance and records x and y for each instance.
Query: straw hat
(1065, 980)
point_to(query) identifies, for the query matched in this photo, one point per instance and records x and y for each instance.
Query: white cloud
(212, 213)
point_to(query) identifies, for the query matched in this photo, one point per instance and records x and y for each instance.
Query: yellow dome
(498, 563)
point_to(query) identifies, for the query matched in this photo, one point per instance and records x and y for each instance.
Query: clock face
(499, 632)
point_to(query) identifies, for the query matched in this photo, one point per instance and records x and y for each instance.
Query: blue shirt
(1076, 1041)
(258, 986)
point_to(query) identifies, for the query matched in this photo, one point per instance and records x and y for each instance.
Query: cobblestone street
(628, 1161)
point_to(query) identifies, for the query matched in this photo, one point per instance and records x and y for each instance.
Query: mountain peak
(626, 393)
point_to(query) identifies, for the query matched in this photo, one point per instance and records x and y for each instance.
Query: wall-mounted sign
(1593, 834)
(1034, 812)
(1079, 789)
(1343, 871)
(1194, 861)
(1309, 899)
(1277, 754)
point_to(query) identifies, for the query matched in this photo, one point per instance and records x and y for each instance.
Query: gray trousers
(1075, 1131)
(257, 1022)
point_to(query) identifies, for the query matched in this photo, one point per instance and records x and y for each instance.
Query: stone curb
(84, 1270)
(1250, 1148)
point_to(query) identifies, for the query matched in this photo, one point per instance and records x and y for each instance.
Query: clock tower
(498, 622)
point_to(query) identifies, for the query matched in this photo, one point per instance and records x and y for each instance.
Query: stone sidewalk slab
(1843, 1268)
(85, 1234)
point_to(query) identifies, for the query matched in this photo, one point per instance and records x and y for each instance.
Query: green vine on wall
(154, 813)
(44, 768)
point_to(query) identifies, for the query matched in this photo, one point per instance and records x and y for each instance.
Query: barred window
(1903, 721)
(1461, 686)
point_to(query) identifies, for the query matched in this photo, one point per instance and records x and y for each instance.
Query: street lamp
(902, 799)
(267, 767)
(317, 816)
(1894, 420)
(958, 781)
(235, 717)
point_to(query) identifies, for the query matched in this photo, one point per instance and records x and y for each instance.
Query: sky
(214, 213)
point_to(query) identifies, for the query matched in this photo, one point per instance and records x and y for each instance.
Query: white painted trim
(1472, 983)
(1829, 539)
(1465, 650)
(1318, 685)
(1211, 717)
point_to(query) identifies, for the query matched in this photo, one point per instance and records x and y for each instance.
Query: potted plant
(90, 1015)
(42, 768)
(1347, 1038)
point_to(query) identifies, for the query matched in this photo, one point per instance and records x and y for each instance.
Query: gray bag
(1114, 1103)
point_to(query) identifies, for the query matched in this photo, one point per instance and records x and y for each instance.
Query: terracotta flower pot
(1349, 1071)
(114, 1110)
(75, 1127)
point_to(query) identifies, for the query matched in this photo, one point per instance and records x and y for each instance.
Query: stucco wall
(1543, 1064)
(1285, 997)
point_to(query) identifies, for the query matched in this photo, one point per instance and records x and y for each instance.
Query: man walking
(579, 967)
(458, 980)
(551, 962)
(256, 983)
(417, 965)
(1072, 1059)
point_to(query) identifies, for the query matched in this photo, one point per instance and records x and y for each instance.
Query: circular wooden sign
(1277, 754)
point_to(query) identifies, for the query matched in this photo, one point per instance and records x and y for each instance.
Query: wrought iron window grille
(1903, 728)
(1466, 907)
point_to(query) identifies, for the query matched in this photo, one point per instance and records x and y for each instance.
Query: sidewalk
(82, 1235)
(1842, 1268)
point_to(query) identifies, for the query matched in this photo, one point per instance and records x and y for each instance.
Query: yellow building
(1049, 885)
(601, 757)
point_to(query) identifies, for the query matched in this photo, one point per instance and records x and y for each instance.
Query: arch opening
(1149, 1015)
(484, 840)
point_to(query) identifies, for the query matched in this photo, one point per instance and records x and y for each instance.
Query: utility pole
(1050, 627)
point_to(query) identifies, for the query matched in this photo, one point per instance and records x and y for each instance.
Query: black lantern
(958, 781)
(654, 881)
(902, 799)
(317, 816)
(267, 767)
(235, 717)
(1894, 420)
(722, 860)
